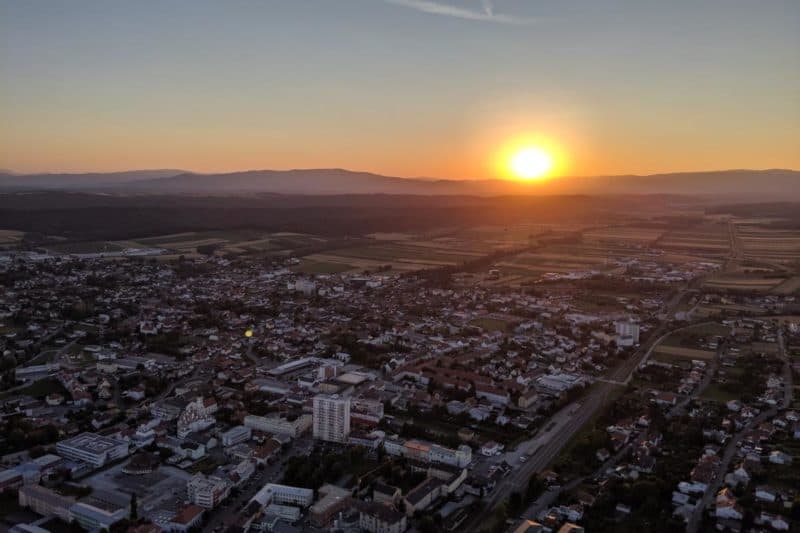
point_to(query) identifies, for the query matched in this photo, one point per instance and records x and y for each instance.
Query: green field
(93, 247)
(321, 267)
(37, 389)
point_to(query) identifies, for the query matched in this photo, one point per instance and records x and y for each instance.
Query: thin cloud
(487, 14)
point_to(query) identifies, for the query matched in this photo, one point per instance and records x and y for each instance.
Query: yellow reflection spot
(248, 333)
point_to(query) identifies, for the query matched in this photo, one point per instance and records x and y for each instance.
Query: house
(778, 457)
(776, 522)
(491, 448)
(186, 518)
(570, 528)
(741, 476)
(727, 507)
(492, 394)
(766, 494)
(666, 399)
(529, 526)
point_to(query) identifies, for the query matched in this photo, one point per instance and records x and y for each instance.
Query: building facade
(91, 448)
(331, 418)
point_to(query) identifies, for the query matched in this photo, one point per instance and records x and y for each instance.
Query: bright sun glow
(531, 163)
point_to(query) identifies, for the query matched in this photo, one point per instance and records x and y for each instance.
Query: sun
(531, 163)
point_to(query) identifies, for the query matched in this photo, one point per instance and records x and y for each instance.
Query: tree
(134, 516)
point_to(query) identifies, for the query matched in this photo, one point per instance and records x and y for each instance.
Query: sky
(434, 88)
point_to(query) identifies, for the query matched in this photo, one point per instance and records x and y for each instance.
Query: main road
(548, 443)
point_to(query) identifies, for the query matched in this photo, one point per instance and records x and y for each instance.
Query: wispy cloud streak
(487, 14)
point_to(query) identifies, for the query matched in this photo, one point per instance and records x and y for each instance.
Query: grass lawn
(716, 394)
(47, 356)
(672, 359)
(687, 353)
(4, 330)
(38, 389)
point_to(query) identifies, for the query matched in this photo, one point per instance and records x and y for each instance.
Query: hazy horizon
(360, 171)
(399, 87)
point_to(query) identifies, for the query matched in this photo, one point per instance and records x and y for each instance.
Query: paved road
(229, 510)
(547, 499)
(543, 449)
(546, 445)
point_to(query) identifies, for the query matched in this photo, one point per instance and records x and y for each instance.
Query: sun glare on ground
(531, 163)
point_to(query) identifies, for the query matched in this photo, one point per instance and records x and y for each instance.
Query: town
(216, 391)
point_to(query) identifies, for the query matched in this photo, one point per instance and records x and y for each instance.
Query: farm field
(239, 242)
(503, 237)
(684, 344)
(10, 236)
(742, 282)
(93, 247)
(624, 234)
(681, 352)
(407, 252)
(706, 310)
(309, 266)
(713, 239)
(762, 243)
(790, 286)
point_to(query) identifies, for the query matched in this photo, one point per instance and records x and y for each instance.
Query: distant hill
(65, 181)
(760, 184)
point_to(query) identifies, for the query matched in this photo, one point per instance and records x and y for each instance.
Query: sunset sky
(400, 87)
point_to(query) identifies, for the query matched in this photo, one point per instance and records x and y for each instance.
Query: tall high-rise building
(331, 418)
(627, 333)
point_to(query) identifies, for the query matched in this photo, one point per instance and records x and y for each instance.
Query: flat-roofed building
(168, 409)
(332, 500)
(10, 479)
(46, 502)
(236, 435)
(207, 492)
(96, 516)
(293, 426)
(91, 448)
(460, 456)
(283, 495)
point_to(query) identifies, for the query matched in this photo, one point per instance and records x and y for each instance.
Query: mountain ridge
(768, 183)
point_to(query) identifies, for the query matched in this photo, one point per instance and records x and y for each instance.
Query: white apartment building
(236, 435)
(460, 456)
(207, 492)
(45, 501)
(278, 425)
(331, 418)
(283, 495)
(91, 448)
(627, 333)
